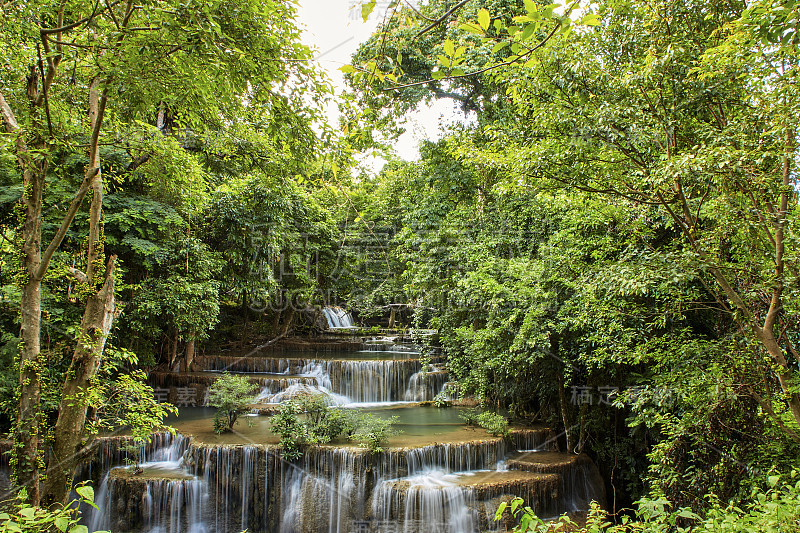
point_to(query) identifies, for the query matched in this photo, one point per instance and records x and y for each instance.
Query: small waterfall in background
(338, 318)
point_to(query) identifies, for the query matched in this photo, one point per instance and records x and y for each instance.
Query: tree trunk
(173, 353)
(288, 322)
(98, 318)
(582, 433)
(565, 417)
(25, 456)
(189, 356)
(391, 317)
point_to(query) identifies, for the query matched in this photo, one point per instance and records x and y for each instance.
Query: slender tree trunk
(391, 317)
(189, 356)
(276, 322)
(25, 459)
(582, 433)
(98, 318)
(287, 324)
(565, 416)
(173, 353)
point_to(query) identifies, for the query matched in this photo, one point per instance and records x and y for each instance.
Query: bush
(470, 416)
(323, 423)
(230, 394)
(493, 423)
(440, 400)
(373, 431)
(776, 509)
(291, 429)
(23, 518)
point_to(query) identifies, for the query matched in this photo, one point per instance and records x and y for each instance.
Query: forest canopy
(605, 245)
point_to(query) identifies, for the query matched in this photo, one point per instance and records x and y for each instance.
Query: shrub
(324, 422)
(774, 510)
(23, 518)
(470, 416)
(493, 423)
(373, 431)
(291, 429)
(230, 394)
(440, 400)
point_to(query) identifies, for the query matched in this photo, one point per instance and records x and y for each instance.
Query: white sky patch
(335, 29)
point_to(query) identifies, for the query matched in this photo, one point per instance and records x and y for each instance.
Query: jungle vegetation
(605, 243)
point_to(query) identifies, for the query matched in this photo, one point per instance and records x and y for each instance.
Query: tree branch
(481, 71)
(79, 276)
(441, 19)
(61, 29)
(65, 224)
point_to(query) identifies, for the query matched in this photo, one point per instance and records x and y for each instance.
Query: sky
(335, 29)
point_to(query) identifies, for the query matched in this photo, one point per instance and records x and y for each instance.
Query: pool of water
(419, 426)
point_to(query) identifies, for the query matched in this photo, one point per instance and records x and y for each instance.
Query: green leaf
(449, 47)
(471, 28)
(590, 20)
(528, 31)
(484, 18)
(500, 509)
(85, 492)
(366, 9)
(499, 46)
(347, 68)
(79, 529)
(437, 74)
(27, 512)
(62, 523)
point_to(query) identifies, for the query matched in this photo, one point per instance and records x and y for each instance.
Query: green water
(417, 425)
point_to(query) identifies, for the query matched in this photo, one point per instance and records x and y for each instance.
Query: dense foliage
(606, 244)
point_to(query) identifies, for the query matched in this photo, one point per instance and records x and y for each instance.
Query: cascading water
(359, 381)
(338, 318)
(170, 498)
(445, 487)
(430, 501)
(332, 490)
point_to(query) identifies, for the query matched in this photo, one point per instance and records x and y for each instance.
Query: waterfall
(356, 381)
(162, 505)
(167, 500)
(338, 318)
(441, 488)
(432, 501)
(438, 487)
(229, 475)
(424, 386)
